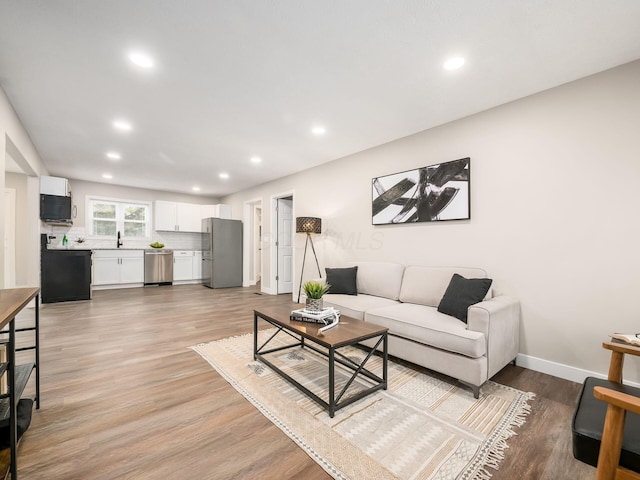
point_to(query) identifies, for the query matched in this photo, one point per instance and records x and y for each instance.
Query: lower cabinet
(197, 265)
(118, 267)
(187, 266)
(182, 265)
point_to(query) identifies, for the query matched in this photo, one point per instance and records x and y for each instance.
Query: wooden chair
(619, 399)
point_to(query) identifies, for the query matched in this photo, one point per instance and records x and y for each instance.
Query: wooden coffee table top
(348, 332)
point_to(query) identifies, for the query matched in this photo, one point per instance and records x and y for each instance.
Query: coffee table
(349, 332)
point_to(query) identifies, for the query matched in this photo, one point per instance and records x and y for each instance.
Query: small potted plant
(314, 290)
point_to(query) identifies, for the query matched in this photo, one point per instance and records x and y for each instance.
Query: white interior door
(285, 245)
(257, 243)
(9, 237)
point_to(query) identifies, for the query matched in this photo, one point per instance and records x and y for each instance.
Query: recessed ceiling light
(113, 155)
(108, 176)
(224, 175)
(195, 189)
(141, 59)
(318, 130)
(453, 63)
(122, 125)
(256, 160)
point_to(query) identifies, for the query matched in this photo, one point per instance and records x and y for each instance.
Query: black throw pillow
(342, 280)
(461, 294)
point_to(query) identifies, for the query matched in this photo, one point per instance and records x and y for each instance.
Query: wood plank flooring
(123, 397)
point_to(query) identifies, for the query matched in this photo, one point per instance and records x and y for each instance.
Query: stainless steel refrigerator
(221, 253)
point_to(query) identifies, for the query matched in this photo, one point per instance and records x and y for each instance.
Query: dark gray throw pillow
(461, 294)
(342, 280)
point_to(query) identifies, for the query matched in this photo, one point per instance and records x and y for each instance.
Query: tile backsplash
(172, 240)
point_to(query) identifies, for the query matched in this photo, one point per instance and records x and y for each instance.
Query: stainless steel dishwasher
(158, 267)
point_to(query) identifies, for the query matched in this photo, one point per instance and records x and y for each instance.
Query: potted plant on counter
(314, 290)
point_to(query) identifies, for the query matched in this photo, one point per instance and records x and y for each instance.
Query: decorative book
(630, 338)
(324, 317)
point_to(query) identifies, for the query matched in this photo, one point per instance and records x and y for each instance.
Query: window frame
(120, 204)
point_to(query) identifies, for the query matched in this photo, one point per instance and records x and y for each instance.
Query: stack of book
(324, 317)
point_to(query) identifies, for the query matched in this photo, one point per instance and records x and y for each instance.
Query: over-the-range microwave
(55, 208)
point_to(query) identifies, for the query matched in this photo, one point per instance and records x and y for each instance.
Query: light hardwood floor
(123, 397)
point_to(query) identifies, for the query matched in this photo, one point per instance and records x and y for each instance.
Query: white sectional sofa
(405, 299)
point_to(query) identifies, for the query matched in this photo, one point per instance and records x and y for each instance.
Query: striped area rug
(420, 428)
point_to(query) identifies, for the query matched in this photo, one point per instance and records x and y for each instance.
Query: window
(106, 217)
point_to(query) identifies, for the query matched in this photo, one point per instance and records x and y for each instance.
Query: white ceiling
(239, 78)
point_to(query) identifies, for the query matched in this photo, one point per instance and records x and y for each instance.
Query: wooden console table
(12, 301)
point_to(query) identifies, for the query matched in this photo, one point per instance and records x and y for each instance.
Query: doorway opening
(253, 240)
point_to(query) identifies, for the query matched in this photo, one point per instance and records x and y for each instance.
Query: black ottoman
(588, 423)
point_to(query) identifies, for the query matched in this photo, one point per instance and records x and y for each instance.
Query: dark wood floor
(123, 397)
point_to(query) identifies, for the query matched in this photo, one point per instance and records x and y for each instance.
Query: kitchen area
(156, 243)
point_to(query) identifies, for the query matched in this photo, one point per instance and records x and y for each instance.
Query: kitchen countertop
(121, 248)
(83, 247)
(79, 247)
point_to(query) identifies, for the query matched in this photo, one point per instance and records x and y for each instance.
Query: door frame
(248, 243)
(273, 238)
(9, 254)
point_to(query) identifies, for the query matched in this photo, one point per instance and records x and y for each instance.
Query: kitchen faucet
(119, 242)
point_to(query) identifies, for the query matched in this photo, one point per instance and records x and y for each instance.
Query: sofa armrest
(499, 319)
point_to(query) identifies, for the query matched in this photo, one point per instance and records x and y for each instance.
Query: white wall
(555, 191)
(19, 183)
(15, 141)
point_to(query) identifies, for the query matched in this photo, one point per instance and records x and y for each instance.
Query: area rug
(421, 428)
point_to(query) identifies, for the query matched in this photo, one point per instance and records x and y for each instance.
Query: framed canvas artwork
(429, 194)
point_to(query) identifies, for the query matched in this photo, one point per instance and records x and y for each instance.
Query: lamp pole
(304, 257)
(308, 225)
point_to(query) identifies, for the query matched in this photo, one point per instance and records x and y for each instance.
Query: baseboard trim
(560, 370)
(116, 286)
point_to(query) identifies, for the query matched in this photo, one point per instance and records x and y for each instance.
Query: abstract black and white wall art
(428, 194)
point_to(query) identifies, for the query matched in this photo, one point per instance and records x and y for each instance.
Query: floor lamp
(308, 225)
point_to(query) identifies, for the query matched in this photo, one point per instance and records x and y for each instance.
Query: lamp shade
(308, 225)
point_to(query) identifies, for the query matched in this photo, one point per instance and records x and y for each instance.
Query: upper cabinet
(188, 217)
(54, 186)
(177, 217)
(165, 215)
(185, 217)
(216, 211)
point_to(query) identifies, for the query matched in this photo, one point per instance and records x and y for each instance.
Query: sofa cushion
(428, 326)
(342, 280)
(461, 294)
(380, 279)
(355, 305)
(426, 285)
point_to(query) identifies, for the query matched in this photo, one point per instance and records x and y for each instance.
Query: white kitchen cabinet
(197, 265)
(177, 217)
(216, 211)
(132, 269)
(164, 214)
(106, 271)
(54, 186)
(188, 217)
(118, 267)
(208, 211)
(182, 265)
